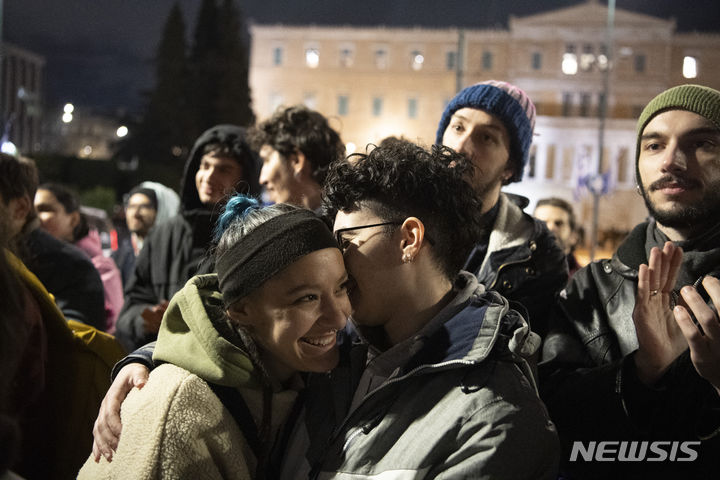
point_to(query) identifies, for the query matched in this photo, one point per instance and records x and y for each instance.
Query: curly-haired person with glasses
(441, 385)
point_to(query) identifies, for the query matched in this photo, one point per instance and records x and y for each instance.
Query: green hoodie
(175, 426)
(188, 339)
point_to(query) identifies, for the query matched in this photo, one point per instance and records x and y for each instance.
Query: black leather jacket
(588, 381)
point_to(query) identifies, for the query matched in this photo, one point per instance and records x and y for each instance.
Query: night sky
(99, 52)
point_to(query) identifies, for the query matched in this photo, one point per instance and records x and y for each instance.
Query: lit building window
(567, 104)
(640, 63)
(689, 67)
(377, 106)
(584, 104)
(381, 58)
(342, 105)
(277, 56)
(346, 57)
(537, 61)
(569, 61)
(450, 60)
(569, 64)
(412, 107)
(531, 162)
(417, 59)
(602, 57)
(623, 160)
(312, 57)
(487, 60)
(587, 58)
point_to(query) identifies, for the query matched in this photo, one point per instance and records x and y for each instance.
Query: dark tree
(206, 67)
(219, 92)
(167, 129)
(168, 111)
(191, 93)
(234, 106)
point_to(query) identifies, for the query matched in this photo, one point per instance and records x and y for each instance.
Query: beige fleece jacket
(175, 427)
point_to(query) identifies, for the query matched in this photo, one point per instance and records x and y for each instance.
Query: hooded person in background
(146, 205)
(220, 162)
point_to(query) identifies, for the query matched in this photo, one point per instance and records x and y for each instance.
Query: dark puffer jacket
(588, 380)
(176, 250)
(523, 262)
(69, 276)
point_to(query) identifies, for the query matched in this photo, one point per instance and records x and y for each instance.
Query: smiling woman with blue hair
(236, 339)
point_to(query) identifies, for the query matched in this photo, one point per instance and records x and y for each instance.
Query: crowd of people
(296, 313)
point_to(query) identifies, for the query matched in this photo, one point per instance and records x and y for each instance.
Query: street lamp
(602, 115)
(67, 115)
(597, 182)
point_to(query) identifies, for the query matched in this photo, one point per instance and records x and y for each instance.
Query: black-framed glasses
(343, 244)
(339, 233)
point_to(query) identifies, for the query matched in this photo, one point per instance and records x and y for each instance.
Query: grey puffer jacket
(463, 406)
(588, 380)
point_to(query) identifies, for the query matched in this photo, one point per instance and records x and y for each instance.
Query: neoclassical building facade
(374, 82)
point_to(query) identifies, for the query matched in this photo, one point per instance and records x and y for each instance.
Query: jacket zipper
(501, 267)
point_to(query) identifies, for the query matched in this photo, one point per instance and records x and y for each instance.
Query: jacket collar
(631, 252)
(510, 239)
(509, 230)
(467, 329)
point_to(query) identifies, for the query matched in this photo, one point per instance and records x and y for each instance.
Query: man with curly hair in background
(296, 145)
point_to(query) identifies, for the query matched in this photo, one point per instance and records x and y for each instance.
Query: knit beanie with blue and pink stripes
(507, 102)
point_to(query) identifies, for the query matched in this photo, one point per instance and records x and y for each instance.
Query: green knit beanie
(704, 101)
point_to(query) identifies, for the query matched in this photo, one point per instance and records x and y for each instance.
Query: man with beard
(559, 217)
(492, 124)
(147, 204)
(633, 355)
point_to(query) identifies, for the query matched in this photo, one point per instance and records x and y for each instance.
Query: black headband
(269, 248)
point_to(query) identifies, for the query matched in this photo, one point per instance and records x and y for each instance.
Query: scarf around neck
(701, 255)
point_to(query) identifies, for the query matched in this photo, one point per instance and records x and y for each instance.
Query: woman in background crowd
(59, 212)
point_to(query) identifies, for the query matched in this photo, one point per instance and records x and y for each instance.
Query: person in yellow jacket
(65, 366)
